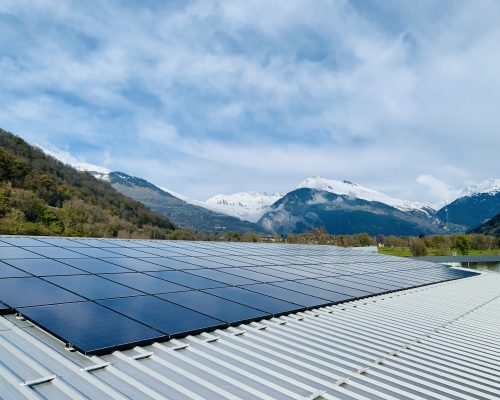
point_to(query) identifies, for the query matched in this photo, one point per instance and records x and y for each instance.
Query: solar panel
(104, 294)
(135, 265)
(56, 252)
(25, 292)
(90, 327)
(145, 283)
(168, 263)
(329, 295)
(93, 287)
(189, 280)
(253, 275)
(287, 295)
(7, 271)
(220, 276)
(164, 316)
(256, 300)
(11, 252)
(44, 267)
(21, 241)
(94, 266)
(216, 307)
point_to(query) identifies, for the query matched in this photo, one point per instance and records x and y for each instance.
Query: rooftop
(440, 341)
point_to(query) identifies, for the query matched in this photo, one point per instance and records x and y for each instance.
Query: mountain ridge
(305, 209)
(184, 214)
(476, 204)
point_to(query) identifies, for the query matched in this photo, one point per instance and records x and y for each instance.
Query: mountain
(491, 227)
(476, 205)
(185, 212)
(249, 206)
(307, 208)
(182, 213)
(341, 206)
(354, 190)
(41, 195)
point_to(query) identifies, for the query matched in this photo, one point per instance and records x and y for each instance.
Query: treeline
(439, 245)
(39, 195)
(443, 245)
(320, 236)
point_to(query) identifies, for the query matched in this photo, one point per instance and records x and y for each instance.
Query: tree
(463, 244)
(363, 239)
(418, 248)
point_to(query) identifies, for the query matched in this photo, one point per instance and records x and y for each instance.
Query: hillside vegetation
(405, 246)
(491, 227)
(42, 196)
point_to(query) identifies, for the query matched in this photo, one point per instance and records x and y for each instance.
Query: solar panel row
(99, 294)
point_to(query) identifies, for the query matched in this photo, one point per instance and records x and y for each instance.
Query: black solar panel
(43, 267)
(216, 307)
(90, 327)
(166, 317)
(26, 292)
(103, 294)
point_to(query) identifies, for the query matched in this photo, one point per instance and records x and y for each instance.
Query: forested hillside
(42, 196)
(491, 227)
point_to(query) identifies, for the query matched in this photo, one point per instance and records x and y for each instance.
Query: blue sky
(209, 97)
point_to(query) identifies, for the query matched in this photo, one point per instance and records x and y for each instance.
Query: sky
(207, 97)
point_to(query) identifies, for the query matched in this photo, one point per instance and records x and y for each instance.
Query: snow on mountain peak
(249, 206)
(348, 188)
(489, 186)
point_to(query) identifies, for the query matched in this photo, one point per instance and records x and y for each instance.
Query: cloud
(68, 158)
(438, 189)
(209, 96)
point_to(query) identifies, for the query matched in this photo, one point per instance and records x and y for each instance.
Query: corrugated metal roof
(435, 342)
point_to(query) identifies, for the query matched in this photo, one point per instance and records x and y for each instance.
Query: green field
(405, 252)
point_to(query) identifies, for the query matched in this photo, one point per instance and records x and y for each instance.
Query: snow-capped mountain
(476, 205)
(249, 206)
(179, 211)
(489, 186)
(316, 201)
(347, 188)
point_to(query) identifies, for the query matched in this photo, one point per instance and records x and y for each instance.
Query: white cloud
(222, 96)
(439, 190)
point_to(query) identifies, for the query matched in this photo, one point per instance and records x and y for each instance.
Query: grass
(405, 252)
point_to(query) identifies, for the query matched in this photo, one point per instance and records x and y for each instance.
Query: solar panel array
(102, 294)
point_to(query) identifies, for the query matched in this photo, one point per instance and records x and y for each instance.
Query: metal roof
(435, 342)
